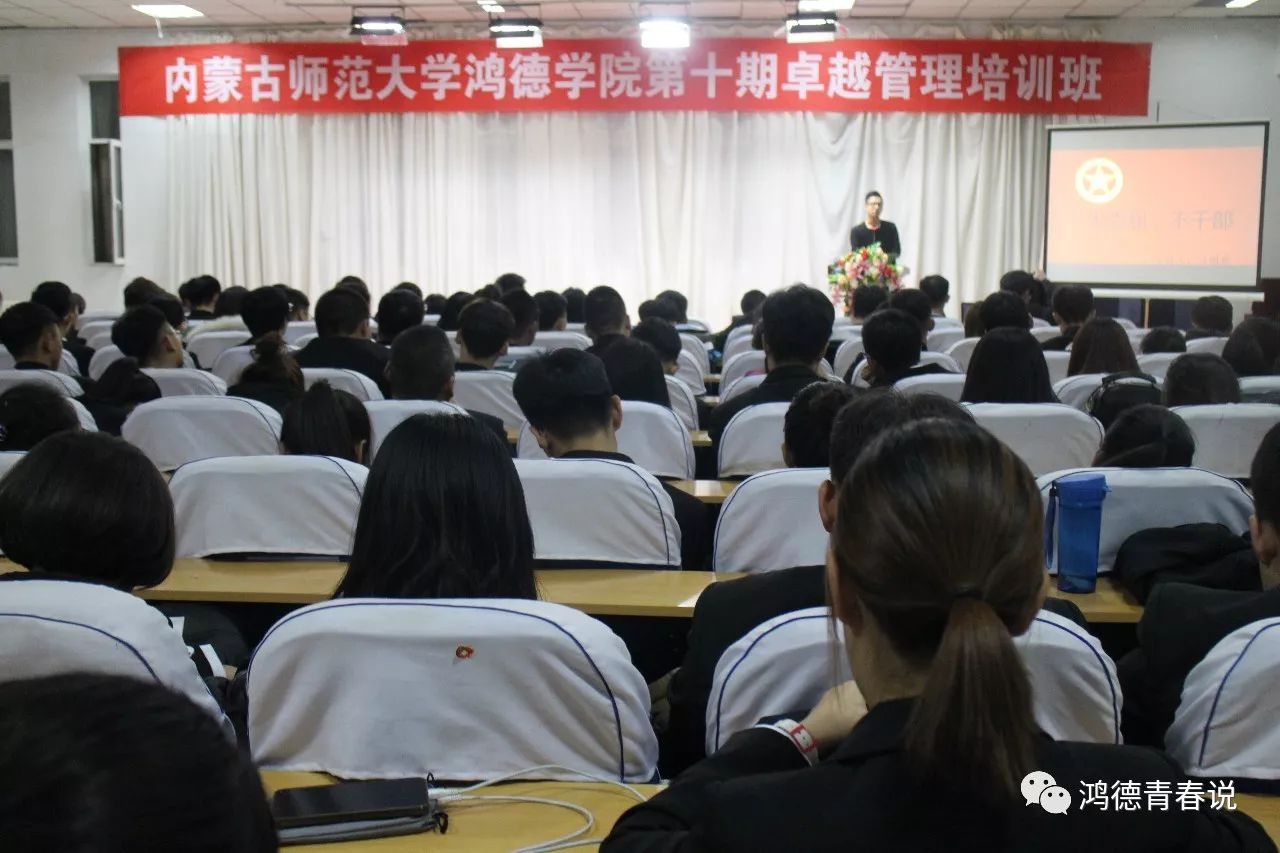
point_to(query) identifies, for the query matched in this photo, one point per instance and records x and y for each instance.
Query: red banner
(730, 74)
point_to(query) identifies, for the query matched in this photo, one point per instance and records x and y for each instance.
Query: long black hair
(443, 516)
(327, 422)
(1008, 366)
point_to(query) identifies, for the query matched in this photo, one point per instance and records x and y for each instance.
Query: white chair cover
(847, 354)
(103, 357)
(207, 346)
(90, 329)
(87, 423)
(1225, 724)
(949, 385)
(551, 341)
(1210, 345)
(9, 458)
(6, 360)
(99, 340)
(738, 342)
(186, 381)
(599, 511)
(841, 332)
(60, 382)
(1057, 363)
(771, 522)
(752, 440)
(1227, 436)
(68, 364)
(1157, 363)
(1045, 333)
(459, 688)
(942, 337)
(386, 415)
(1075, 391)
(231, 363)
(682, 402)
(267, 505)
(656, 439)
(353, 382)
(173, 431)
(1037, 323)
(1074, 687)
(741, 386)
(576, 327)
(50, 627)
(1127, 323)
(298, 329)
(740, 365)
(1142, 498)
(942, 360)
(962, 350)
(431, 320)
(1253, 386)
(1046, 436)
(488, 391)
(690, 372)
(302, 340)
(696, 348)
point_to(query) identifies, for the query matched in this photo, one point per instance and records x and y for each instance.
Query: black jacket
(780, 386)
(355, 354)
(886, 235)
(758, 793)
(1059, 343)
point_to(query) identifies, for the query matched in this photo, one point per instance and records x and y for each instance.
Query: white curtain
(711, 204)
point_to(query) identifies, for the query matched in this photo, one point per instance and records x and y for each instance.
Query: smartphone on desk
(376, 799)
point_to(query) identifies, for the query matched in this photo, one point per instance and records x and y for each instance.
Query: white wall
(1202, 69)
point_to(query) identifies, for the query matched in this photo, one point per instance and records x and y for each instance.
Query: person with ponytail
(327, 422)
(273, 377)
(935, 564)
(30, 413)
(1147, 436)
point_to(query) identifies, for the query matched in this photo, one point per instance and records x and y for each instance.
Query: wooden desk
(701, 438)
(1109, 602)
(1264, 809)
(707, 491)
(479, 827)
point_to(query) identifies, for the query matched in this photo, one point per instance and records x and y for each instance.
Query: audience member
(659, 309)
(1253, 348)
(59, 299)
(398, 310)
(574, 414)
(575, 302)
(453, 310)
(891, 344)
(865, 300)
(606, 318)
(553, 311)
(635, 373)
(1101, 346)
(484, 330)
(1211, 317)
(443, 516)
(273, 377)
(356, 285)
(1163, 339)
(1027, 288)
(171, 308)
(141, 290)
(230, 302)
(917, 304)
(30, 413)
(1008, 366)
(435, 304)
(1072, 308)
(1002, 309)
(973, 327)
(1200, 379)
(806, 431)
(299, 303)
(664, 339)
(111, 764)
(509, 281)
(938, 289)
(795, 325)
(202, 292)
(422, 367)
(1147, 437)
(524, 314)
(266, 312)
(491, 292)
(748, 305)
(411, 287)
(144, 335)
(327, 422)
(342, 326)
(680, 301)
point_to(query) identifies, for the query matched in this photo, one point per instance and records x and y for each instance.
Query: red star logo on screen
(1099, 180)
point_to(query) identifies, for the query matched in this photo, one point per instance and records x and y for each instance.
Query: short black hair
(199, 291)
(356, 284)
(1019, 282)
(30, 412)
(523, 308)
(551, 307)
(1004, 308)
(411, 287)
(21, 326)
(340, 312)
(108, 762)
(231, 302)
(509, 281)
(55, 296)
(679, 300)
(575, 301)
(796, 324)
(1163, 339)
(806, 429)
(421, 363)
(916, 303)
(1200, 379)
(137, 331)
(877, 411)
(635, 372)
(1212, 313)
(1147, 436)
(398, 310)
(565, 393)
(265, 310)
(660, 308)
(171, 308)
(1073, 303)
(453, 309)
(141, 290)
(604, 312)
(325, 422)
(891, 338)
(123, 530)
(435, 303)
(1253, 349)
(490, 291)
(867, 298)
(1264, 478)
(660, 335)
(297, 299)
(937, 288)
(873, 194)
(751, 300)
(485, 327)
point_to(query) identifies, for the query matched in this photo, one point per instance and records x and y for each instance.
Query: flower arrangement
(868, 265)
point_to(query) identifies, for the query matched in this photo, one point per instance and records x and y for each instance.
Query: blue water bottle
(1076, 502)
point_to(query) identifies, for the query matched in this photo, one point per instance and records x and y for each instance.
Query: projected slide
(1166, 205)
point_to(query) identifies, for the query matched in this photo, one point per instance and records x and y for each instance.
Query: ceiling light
(824, 5)
(169, 11)
(376, 24)
(492, 8)
(1233, 4)
(803, 29)
(664, 33)
(516, 32)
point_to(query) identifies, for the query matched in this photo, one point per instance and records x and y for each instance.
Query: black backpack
(1121, 391)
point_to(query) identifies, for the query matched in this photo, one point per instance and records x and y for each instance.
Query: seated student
(749, 304)
(1253, 349)
(398, 310)
(635, 373)
(1002, 309)
(806, 430)
(443, 516)
(936, 563)
(1026, 287)
(865, 301)
(453, 310)
(1072, 308)
(327, 422)
(681, 303)
(411, 287)
(1007, 366)
(140, 291)
(938, 289)
(273, 377)
(491, 292)
(1211, 317)
(485, 328)
(114, 764)
(1147, 436)
(552, 311)
(422, 367)
(664, 339)
(917, 304)
(30, 413)
(891, 343)
(435, 303)
(524, 316)
(605, 315)
(356, 285)
(171, 308)
(1101, 346)
(1163, 339)
(795, 325)
(266, 312)
(659, 309)
(1181, 623)
(1200, 379)
(574, 414)
(144, 335)
(59, 299)
(575, 302)
(973, 327)
(342, 324)
(299, 303)
(509, 281)
(202, 292)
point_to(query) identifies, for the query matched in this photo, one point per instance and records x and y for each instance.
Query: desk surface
(478, 827)
(701, 438)
(1108, 603)
(707, 491)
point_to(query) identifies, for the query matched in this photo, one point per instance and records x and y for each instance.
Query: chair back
(1047, 436)
(353, 382)
(696, 348)
(771, 522)
(740, 365)
(1045, 333)
(740, 386)
(690, 372)
(738, 342)
(186, 381)
(682, 402)
(551, 341)
(962, 350)
(87, 423)
(846, 354)
(942, 337)
(1157, 363)
(1057, 363)
(1253, 388)
(488, 391)
(1228, 435)
(60, 382)
(231, 363)
(949, 385)
(386, 415)
(1074, 686)
(752, 441)
(1213, 345)
(206, 347)
(173, 431)
(298, 329)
